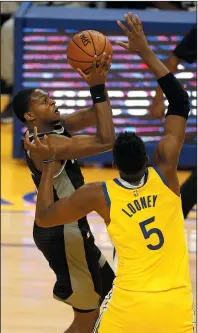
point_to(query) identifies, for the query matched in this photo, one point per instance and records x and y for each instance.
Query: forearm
(107, 97)
(154, 64)
(105, 126)
(45, 196)
(171, 63)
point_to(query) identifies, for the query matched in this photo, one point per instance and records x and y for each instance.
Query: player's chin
(56, 116)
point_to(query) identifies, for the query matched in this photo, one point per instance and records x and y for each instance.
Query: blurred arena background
(34, 37)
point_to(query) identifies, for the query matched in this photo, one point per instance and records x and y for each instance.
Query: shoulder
(92, 189)
(89, 194)
(169, 177)
(94, 197)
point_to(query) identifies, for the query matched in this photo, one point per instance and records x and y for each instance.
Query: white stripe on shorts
(104, 308)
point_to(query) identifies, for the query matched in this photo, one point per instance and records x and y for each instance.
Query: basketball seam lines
(81, 49)
(87, 69)
(86, 62)
(92, 42)
(104, 46)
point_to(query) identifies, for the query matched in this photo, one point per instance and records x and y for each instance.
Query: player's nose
(52, 102)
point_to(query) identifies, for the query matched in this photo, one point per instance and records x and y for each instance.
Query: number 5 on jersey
(147, 233)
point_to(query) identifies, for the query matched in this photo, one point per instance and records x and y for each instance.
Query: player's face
(44, 108)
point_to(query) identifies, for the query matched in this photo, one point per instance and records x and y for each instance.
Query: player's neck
(132, 179)
(41, 128)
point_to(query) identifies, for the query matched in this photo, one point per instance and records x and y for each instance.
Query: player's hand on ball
(136, 38)
(98, 74)
(44, 149)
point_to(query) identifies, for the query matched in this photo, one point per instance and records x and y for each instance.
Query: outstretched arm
(168, 149)
(80, 146)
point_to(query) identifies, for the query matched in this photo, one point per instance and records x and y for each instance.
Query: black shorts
(83, 276)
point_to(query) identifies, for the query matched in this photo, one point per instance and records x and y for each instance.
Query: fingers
(138, 23)
(50, 146)
(134, 24)
(48, 141)
(45, 140)
(27, 143)
(81, 73)
(93, 70)
(124, 45)
(103, 60)
(130, 16)
(105, 64)
(129, 21)
(94, 64)
(124, 29)
(36, 139)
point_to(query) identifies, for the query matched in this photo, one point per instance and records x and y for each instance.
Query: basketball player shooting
(142, 211)
(83, 276)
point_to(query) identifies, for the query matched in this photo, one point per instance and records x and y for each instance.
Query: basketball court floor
(26, 279)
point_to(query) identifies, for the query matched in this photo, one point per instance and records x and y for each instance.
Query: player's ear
(29, 116)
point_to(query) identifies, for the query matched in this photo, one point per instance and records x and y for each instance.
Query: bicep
(79, 120)
(167, 153)
(76, 147)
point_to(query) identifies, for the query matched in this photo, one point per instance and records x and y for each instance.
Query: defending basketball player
(83, 276)
(142, 211)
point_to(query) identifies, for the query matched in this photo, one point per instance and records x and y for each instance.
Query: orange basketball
(84, 46)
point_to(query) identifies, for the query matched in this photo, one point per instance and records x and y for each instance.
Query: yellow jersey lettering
(131, 208)
(149, 201)
(154, 200)
(142, 203)
(137, 205)
(130, 215)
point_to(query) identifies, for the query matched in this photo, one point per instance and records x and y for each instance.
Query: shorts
(139, 312)
(83, 276)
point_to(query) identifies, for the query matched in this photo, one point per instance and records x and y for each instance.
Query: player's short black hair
(129, 153)
(21, 102)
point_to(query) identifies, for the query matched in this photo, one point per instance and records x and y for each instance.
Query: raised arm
(86, 145)
(168, 149)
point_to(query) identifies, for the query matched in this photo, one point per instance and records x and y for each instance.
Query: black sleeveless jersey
(68, 179)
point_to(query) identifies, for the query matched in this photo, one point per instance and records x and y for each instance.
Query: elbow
(40, 222)
(185, 102)
(185, 95)
(109, 143)
(109, 140)
(184, 98)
